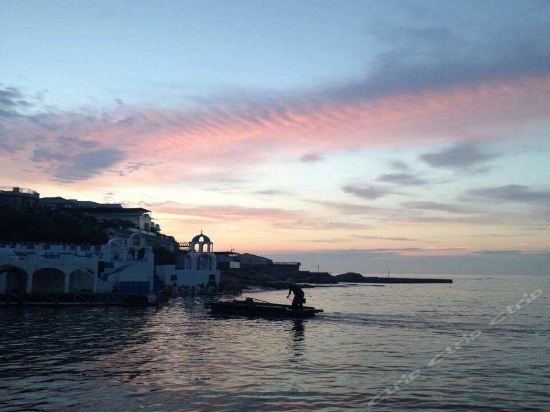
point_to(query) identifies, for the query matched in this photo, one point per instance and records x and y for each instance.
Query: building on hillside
(250, 261)
(195, 265)
(18, 198)
(62, 203)
(137, 216)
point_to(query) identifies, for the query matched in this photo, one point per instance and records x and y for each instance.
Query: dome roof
(201, 238)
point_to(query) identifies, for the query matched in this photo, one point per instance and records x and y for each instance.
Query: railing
(286, 263)
(52, 247)
(15, 189)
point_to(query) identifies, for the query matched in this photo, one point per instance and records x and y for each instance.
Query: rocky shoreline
(240, 280)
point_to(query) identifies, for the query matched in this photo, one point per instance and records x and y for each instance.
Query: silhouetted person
(299, 300)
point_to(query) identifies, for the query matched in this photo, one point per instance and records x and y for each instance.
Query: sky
(357, 135)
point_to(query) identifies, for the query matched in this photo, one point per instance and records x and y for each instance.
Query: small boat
(257, 308)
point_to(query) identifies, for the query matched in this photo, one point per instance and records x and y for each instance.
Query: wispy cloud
(366, 192)
(270, 192)
(402, 179)
(513, 193)
(282, 219)
(68, 158)
(312, 158)
(12, 100)
(230, 213)
(396, 239)
(400, 166)
(433, 56)
(348, 208)
(443, 207)
(87, 164)
(458, 156)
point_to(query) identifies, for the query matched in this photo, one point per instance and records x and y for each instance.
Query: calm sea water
(373, 344)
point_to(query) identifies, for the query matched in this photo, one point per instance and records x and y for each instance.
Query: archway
(204, 262)
(136, 240)
(16, 279)
(81, 281)
(48, 280)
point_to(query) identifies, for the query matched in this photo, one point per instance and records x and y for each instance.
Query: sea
(479, 344)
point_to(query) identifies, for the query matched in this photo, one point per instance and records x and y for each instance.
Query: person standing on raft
(299, 300)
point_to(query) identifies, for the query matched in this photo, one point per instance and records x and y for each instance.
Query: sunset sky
(360, 135)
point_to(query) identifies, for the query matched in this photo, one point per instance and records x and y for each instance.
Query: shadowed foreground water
(178, 357)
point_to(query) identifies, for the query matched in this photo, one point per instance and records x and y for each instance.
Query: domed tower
(201, 242)
(201, 254)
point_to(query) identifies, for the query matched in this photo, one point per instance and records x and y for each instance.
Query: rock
(350, 277)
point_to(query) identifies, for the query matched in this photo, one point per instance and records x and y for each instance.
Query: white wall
(186, 277)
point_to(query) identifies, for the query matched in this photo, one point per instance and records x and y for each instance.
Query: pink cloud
(476, 112)
(174, 144)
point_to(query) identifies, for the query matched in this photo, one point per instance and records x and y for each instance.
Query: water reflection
(179, 357)
(297, 340)
(298, 328)
(33, 338)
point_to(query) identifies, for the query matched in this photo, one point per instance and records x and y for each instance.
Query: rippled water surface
(178, 357)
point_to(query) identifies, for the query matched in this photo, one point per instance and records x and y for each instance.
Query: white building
(125, 265)
(198, 266)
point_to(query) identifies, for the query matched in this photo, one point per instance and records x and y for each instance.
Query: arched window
(48, 280)
(16, 280)
(81, 281)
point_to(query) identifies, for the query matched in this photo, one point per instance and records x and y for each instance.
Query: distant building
(250, 261)
(228, 260)
(283, 270)
(18, 198)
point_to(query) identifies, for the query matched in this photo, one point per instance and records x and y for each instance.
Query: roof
(197, 239)
(227, 253)
(56, 199)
